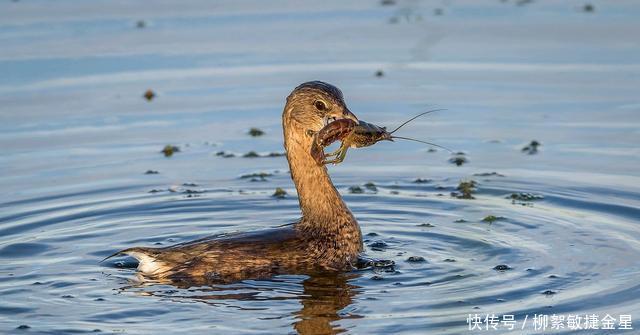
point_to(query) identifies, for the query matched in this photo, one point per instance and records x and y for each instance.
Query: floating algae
(422, 180)
(492, 218)
(416, 259)
(524, 197)
(255, 132)
(224, 154)
(251, 154)
(502, 267)
(262, 176)
(279, 193)
(458, 159)
(488, 174)
(371, 187)
(465, 190)
(276, 154)
(378, 245)
(356, 190)
(149, 95)
(169, 150)
(532, 147)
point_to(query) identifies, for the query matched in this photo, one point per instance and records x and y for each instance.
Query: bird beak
(339, 115)
(348, 115)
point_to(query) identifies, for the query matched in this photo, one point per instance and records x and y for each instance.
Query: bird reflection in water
(325, 297)
(324, 300)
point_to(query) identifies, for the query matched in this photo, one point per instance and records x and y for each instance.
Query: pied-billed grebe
(327, 237)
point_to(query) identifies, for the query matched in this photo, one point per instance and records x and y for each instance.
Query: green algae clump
(169, 150)
(255, 132)
(279, 193)
(465, 190)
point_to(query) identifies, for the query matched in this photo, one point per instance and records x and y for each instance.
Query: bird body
(326, 238)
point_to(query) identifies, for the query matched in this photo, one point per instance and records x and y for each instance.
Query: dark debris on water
(525, 197)
(251, 154)
(225, 154)
(532, 147)
(365, 263)
(422, 180)
(488, 174)
(169, 150)
(257, 176)
(356, 190)
(276, 154)
(492, 218)
(459, 158)
(255, 132)
(416, 259)
(465, 190)
(189, 191)
(502, 267)
(149, 95)
(371, 187)
(279, 193)
(378, 245)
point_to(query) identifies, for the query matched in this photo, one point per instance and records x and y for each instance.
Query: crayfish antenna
(425, 142)
(415, 117)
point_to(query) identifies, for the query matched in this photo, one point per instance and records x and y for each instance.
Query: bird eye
(320, 105)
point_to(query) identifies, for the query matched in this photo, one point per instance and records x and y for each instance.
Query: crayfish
(354, 134)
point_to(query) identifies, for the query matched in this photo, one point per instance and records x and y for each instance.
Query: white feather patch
(148, 264)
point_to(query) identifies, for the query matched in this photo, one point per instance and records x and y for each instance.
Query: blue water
(77, 138)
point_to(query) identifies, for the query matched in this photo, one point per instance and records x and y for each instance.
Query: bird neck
(320, 202)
